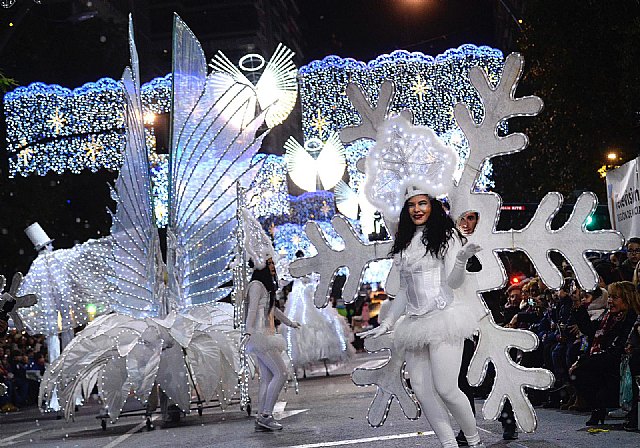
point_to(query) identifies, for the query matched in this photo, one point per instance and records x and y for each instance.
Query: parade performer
(431, 256)
(325, 335)
(261, 338)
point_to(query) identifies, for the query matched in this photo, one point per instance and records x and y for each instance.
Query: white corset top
(424, 278)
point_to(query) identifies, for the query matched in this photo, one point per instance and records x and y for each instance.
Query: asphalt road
(328, 411)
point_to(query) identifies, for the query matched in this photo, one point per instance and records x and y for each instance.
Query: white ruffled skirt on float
(451, 325)
(324, 335)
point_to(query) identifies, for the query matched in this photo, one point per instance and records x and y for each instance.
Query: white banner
(623, 196)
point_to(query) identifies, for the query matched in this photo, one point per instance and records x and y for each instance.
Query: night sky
(364, 29)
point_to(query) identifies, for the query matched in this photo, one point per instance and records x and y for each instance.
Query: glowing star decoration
(57, 121)
(325, 209)
(407, 156)
(419, 87)
(275, 91)
(328, 164)
(319, 123)
(92, 149)
(537, 240)
(25, 155)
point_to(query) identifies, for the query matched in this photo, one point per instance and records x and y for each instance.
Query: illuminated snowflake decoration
(419, 88)
(319, 123)
(407, 156)
(428, 86)
(57, 122)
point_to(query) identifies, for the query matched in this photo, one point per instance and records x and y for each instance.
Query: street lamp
(611, 163)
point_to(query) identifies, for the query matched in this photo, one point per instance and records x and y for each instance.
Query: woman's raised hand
(468, 251)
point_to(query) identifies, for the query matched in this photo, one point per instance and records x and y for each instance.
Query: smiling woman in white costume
(405, 173)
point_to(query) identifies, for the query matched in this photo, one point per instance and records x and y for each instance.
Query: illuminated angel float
(398, 157)
(169, 332)
(324, 337)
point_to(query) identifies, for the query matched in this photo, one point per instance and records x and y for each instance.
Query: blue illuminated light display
(429, 86)
(55, 129)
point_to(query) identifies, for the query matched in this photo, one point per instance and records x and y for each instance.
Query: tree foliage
(582, 60)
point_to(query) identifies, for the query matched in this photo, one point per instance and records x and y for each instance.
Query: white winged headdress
(256, 242)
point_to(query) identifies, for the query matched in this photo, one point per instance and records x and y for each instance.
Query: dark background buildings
(581, 59)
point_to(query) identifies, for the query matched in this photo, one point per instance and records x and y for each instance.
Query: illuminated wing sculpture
(169, 329)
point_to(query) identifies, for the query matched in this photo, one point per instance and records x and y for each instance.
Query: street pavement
(328, 411)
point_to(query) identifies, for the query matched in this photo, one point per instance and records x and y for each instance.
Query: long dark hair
(269, 281)
(438, 230)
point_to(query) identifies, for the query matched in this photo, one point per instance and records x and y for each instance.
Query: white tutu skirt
(261, 343)
(324, 335)
(450, 325)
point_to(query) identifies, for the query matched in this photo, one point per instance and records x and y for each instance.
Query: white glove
(467, 252)
(457, 274)
(374, 332)
(295, 324)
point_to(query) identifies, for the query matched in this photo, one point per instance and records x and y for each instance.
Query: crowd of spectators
(22, 363)
(590, 340)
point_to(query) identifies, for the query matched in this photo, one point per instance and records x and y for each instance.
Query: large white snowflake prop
(536, 240)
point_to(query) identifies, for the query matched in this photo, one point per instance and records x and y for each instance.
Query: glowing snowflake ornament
(407, 156)
(537, 239)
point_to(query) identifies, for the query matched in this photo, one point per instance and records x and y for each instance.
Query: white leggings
(273, 375)
(434, 379)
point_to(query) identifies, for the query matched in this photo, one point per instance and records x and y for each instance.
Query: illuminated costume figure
(430, 255)
(431, 258)
(325, 335)
(261, 338)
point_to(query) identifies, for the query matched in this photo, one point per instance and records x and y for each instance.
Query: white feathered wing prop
(169, 329)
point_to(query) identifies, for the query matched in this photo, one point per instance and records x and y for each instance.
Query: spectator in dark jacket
(633, 257)
(596, 375)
